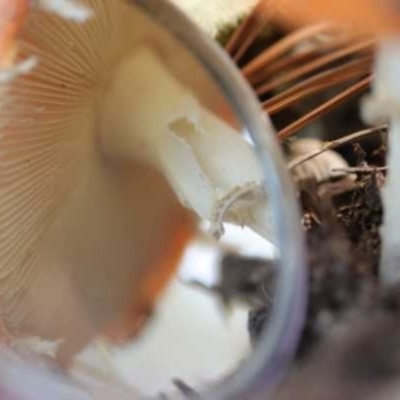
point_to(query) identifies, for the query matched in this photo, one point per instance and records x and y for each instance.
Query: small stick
(293, 60)
(315, 65)
(317, 83)
(337, 143)
(324, 108)
(360, 170)
(282, 46)
(322, 77)
(290, 101)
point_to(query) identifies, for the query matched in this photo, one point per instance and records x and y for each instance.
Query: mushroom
(101, 145)
(320, 168)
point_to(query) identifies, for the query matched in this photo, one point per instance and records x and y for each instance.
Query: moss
(225, 31)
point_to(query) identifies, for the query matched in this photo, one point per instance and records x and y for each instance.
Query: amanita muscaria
(101, 144)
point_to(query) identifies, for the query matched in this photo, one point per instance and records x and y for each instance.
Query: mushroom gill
(97, 144)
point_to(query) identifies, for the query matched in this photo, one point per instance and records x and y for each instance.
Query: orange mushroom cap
(380, 17)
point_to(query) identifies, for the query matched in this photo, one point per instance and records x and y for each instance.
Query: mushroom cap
(380, 17)
(86, 236)
(320, 168)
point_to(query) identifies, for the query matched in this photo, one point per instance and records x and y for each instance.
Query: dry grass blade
(284, 45)
(324, 108)
(318, 83)
(337, 143)
(365, 46)
(248, 30)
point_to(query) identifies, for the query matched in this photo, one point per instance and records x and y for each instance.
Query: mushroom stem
(212, 168)
(385, 104)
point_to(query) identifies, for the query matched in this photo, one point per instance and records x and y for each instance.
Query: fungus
(321, 168)
(98, 143)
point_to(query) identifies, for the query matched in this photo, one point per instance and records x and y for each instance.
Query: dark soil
(342, 233)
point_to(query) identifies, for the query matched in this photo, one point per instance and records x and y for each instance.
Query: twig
(324, 108)
(360, 170)
(317, 83)
(365, 46)
(291, 60)
(295, 59)
(282, 46)
(337, 143)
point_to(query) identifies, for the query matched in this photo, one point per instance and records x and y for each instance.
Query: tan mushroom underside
(90, 229)
(78, 229)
